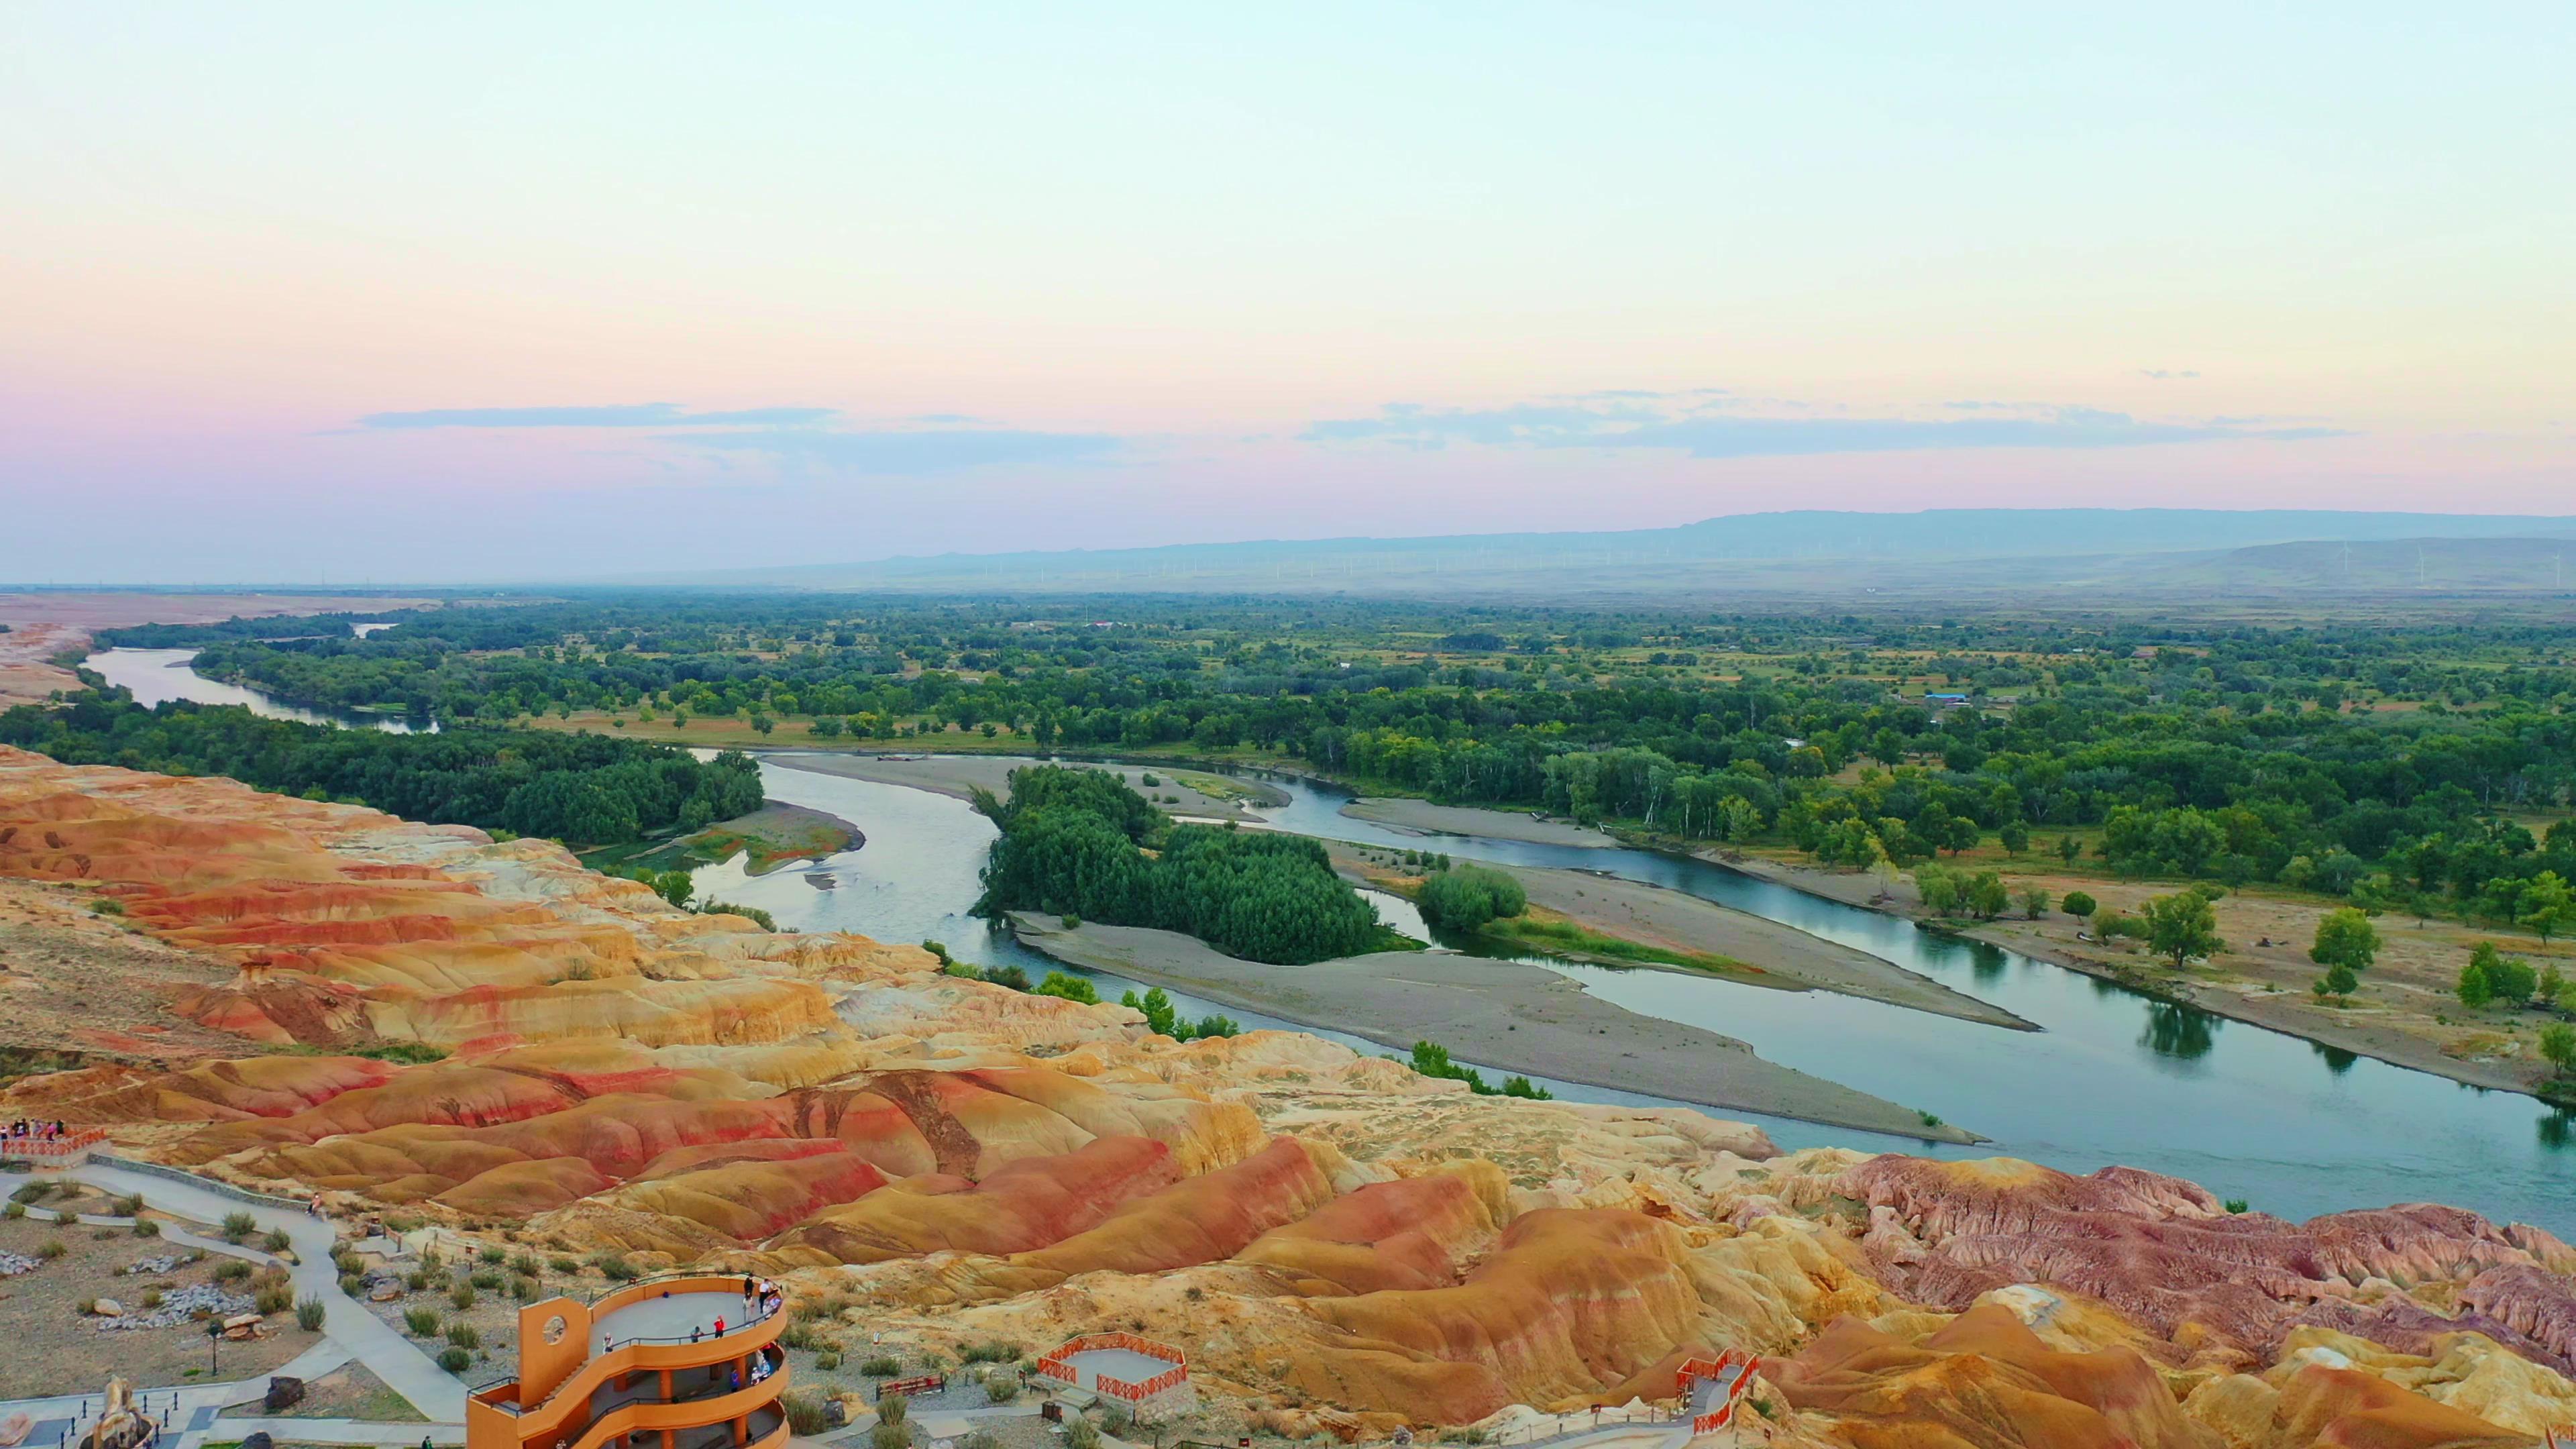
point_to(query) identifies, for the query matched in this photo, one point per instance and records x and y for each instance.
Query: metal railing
(762, 1315)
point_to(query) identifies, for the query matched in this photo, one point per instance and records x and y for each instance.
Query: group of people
(41, 1131)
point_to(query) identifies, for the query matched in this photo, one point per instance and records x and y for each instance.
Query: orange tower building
(688, 1361)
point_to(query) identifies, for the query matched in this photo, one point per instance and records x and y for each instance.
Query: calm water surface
(160, 675)
(2115, 1077)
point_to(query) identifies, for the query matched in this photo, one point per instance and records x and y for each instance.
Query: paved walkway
(347, 1322)
(671, 1318)
(342, 1431)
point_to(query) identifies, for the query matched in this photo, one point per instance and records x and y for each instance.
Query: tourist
(737, 1377)
(719, 1325)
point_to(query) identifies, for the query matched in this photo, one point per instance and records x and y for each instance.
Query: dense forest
(2428, 765)
(1079, 843)
(581, 789)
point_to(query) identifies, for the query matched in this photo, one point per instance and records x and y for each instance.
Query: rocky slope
(1339, 1243)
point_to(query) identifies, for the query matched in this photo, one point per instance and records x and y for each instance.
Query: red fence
(1693, 1371)
(930, 1383)
(50, 1149)
(1059, 1365)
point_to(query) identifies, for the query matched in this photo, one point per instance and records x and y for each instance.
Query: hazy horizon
(303, 293)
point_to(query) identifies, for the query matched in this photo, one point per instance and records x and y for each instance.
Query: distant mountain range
(1806, 554)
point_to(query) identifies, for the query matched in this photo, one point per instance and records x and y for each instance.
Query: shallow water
(2115, 1077)
(159, 675)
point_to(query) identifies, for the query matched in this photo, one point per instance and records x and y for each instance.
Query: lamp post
(214, 1341)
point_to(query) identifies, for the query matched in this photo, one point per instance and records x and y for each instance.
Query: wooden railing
(1059, 1365)
(74, 1143)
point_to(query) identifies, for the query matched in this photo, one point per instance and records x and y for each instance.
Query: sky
(463, 293)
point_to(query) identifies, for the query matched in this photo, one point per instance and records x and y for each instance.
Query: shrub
(893, 1408)
(353, 1285)
(238, 1226)
(2237, 1205)
(464, 1335)
(882, 1367)
(33, 1192)
(142, 1229)
(273, 1299)
(828, 1360)
(805, 1414)
(486, 1279)
(797, 1335)
(418, 1281)
(14, 1210)
(276, 1242)
(614, 1267)
(990, 1351)
(347, 1262)
(423, 1322)
(53, 1248)
(495, 1255)
(1468, 897)
(151, 1297)
(1001, 1386)
(524, 1289)
(455, 1360)
(309, 1314)
(463, 1296)
(889, 1436)
(565, 1265)
(231, 1270)
(1080, 1433)
(525, 1265)
(128, 1206)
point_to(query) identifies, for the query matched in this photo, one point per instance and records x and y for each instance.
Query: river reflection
(2115, 1078)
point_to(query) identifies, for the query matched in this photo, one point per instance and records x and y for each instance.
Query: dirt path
(1506, 1015)
(1519, 825)
(959, 776)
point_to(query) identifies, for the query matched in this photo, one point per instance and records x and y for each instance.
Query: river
(2115, 1077)
(159, 675)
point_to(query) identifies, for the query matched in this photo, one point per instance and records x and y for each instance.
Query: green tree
(1987, 896)
(2545, 904)
(2069, 849)
(2558, 1047)
(2014, 835)
(674, 886)
(2182, 926)
(1940, 888)
(2078, 904)
(2339, 980)
(2034, 902)
(2474, 989)
(2345, 938)
(1069, 987)
(1469, 896)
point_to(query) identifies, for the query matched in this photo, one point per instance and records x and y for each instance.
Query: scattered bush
(309, 1313)
(882, 1367)
(565, 1265)
(464, 1335)
(353, 1285)
(990, 1351)
(238, 1226)
(524, 1289)
(151, 1298)
(423, 1322)
(14, 1210)
(486, 1279)
(525, 1265)
(273, 1299)
(462, 1296)
(455, 1360)
(231, 1270)
(53, 1248)
(806, 1416)
(418, 1281)
(276, 1242)
(1080, 1433)
(828, 1360)
(1001, 1386)
(894, 1408)
(142, 1229)
(1468, 897)
(128, 1206)
(615, 1268)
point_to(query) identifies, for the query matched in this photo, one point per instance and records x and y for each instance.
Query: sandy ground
(42, 625)
(1788, 958)
(2404, 1014)
(1433, 819)
(53, 1349)
(959, 775)
(74, 981)
(1501, 1014)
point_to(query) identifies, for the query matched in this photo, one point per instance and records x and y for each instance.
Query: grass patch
(1551, 934)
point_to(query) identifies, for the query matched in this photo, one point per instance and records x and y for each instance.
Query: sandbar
(1508, 1015)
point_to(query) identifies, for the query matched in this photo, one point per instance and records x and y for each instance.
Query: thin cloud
(1706, 434)
(626, 415)
(2161, 374)
(912, 453)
